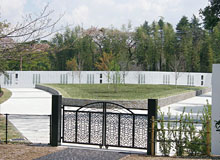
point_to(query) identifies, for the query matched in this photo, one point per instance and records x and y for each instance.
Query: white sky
(104, 13)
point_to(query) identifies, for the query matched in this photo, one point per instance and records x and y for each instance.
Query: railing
(23, 128)
(182, 136)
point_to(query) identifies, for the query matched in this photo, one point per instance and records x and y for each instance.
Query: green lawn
(13, 133)
(124, 92)
(6, 95)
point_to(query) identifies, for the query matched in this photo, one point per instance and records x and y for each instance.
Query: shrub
(182, 135)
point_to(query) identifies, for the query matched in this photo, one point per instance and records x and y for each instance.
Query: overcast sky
(104, 13)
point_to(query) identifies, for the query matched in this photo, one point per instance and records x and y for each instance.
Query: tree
(72, 43)
(211, 14)
(177, 66)
(215, 39)
(184, 42)
(169, 45)
(206, 56)
(17, 38)
(197, 40)
(72, 64)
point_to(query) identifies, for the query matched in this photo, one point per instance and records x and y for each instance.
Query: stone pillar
(215, 148)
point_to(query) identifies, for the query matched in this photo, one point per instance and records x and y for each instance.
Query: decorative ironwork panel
(69, 122)
(112, 121)
(83, 127)
(141, 128)
(96, 128)
(126, 130)
(105, 123)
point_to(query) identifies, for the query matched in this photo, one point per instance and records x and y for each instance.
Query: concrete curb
(47, 89)
(180, 97)
(137, 104)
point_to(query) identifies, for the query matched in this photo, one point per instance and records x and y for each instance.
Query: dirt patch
(25, 152)
(142, 157)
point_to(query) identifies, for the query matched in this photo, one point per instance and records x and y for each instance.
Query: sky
(104, 13)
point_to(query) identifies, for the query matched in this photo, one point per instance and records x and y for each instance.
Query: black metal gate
(105, 124)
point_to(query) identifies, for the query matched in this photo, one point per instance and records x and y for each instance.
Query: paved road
(26, 103)
(83, 154)
(194, 104)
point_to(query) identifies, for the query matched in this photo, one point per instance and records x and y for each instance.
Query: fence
(185, 136)
(20, 128)
(103, 124)
(31, 78)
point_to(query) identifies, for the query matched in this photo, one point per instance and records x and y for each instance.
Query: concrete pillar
(215, 150)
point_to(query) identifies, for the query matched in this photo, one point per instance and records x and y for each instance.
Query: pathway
(32, 107)
(194, 104)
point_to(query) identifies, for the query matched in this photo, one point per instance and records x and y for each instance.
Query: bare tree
(20, 37)
(177, 66)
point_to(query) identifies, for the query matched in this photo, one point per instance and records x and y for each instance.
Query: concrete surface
(27, 101)
(194, 104)
(28, 110)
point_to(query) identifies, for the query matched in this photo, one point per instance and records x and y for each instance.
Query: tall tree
(206, 56)
(211, 14)
(184, 41)
(169, 45)
(197, 40)
(215, 39)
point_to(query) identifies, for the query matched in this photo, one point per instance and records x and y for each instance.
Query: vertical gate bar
(152, 111)
(119, 128)
(104, 124)
(103, 117)
(133, 131)
(89, 127)
(76, 126)
(60, 123)
(50, 127)
(6, 129)
(62, 137)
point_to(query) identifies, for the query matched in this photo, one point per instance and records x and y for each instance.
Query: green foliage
(125, 91)
(182, 135)
(149, 47)
(206, 56)
(72, 65)
(211, 14)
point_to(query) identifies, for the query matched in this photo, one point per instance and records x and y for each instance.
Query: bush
(181, 134)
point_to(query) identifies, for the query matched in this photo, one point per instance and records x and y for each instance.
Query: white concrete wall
(215, 108)
(30, 78)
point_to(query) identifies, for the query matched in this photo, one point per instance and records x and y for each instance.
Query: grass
(125, 91)
(13, 133)
(6, 95)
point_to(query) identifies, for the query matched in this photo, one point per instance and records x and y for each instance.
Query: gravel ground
(25, 152)
(29, 152)
(83, 154)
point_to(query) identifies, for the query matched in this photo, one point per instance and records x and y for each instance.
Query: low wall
(180, 97)
(47, 89)
(137, 104)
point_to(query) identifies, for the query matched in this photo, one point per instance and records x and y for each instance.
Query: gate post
(152, 114)
(55, 137)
